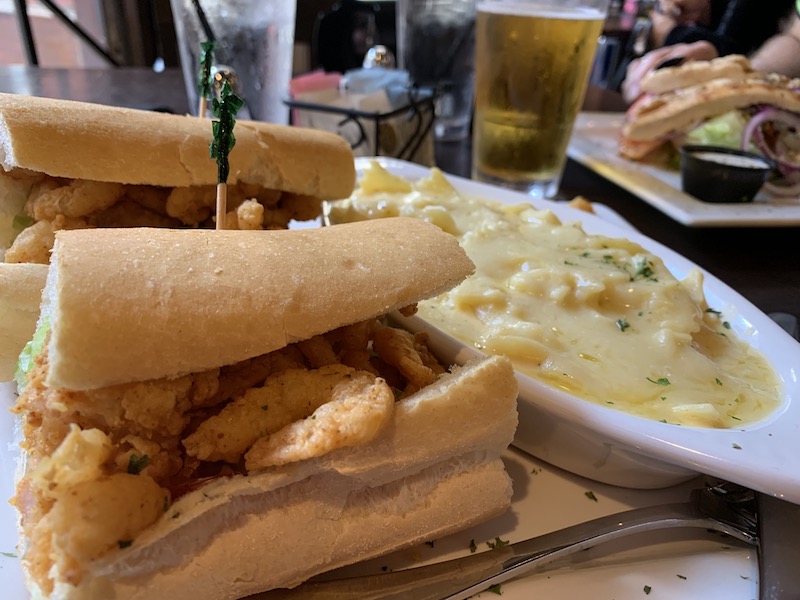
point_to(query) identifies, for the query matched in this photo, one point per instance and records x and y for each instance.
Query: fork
(724, 508)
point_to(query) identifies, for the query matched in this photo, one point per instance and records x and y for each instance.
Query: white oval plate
(614, 447)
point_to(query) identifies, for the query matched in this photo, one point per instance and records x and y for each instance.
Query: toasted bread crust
(733, 66)
(78, 140)
(672, 112)
(205, 299)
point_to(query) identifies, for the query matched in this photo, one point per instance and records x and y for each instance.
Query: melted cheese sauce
(598, 317)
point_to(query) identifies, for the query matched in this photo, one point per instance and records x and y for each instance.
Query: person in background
(781, 53)
(704, 30)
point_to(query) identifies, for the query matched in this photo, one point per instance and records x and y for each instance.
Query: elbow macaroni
(601, 318)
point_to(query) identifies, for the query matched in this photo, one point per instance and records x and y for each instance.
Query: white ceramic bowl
(614, 447)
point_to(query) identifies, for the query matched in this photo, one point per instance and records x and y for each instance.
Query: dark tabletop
(763, 264)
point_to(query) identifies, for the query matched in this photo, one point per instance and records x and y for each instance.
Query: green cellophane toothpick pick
(204, 77)
(225, 109)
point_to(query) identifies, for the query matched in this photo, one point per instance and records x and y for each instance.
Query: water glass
(436, 45)
(254, 46)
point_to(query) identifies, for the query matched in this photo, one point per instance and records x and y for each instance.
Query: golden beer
(532, 69)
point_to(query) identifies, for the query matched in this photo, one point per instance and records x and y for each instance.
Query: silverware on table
(727, 509)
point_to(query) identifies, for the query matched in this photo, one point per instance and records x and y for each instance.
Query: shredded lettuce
(31, 350)
(20, 222)
(725, 130)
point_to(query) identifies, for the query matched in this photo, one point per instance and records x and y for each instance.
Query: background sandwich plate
(594, 144)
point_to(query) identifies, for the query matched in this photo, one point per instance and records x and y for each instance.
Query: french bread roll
(115, 498)
(78, 140)
(73, 165)
(20, 294)
(191, 288)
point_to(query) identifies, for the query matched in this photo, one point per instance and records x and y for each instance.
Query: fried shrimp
(34, 243)
(318, 351)
(398, 348)
(78, 198)
(357, 411)
(191, 205)
(250, 215)
(285, 397)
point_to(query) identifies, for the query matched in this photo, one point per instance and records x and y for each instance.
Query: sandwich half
(69, 165)
(722, 102)
(211, 414)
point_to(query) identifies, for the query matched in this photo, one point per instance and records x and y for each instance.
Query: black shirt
(737, 26)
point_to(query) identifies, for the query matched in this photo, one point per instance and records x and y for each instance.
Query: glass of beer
(533, 60)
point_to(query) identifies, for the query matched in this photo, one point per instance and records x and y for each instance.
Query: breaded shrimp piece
(286, 397)
(357, 412)
(78, 198)
(397, 348)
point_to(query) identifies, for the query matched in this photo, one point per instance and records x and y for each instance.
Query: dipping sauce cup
(533, 61)
(715, 174)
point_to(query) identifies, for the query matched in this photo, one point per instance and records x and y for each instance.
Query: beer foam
(547, 11)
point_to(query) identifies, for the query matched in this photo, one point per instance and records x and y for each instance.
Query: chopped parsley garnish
(726, 325)
(265, 407)
(643, 269)
(9, 554)
(136, 463)
(713, 311)
(495, 589)
(124, 543)
(718, 382)
(176, 515)
(681, 576)
(430, 543)
(472, 547)
(623, 324)
(647, 589)
(590, 495)
(736, 446)
(497, 543)
(21, 221)
(659, 381)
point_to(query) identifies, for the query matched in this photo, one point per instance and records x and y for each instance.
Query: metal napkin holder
(406, 142)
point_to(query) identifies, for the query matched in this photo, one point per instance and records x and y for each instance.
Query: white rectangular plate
(594, 144)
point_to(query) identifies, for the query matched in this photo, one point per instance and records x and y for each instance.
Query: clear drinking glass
(533, 60)
(436, 44)
(255, 39)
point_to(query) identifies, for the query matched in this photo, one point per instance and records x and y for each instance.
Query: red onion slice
(753, 133)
